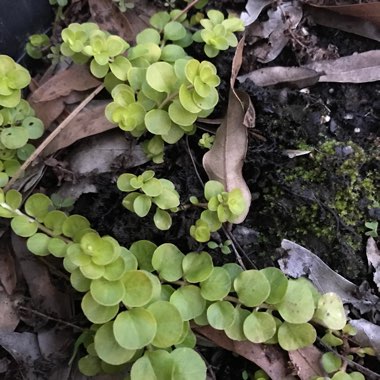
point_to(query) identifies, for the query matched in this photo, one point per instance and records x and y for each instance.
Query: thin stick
(50, 318)
(51, 137)
(185, 10)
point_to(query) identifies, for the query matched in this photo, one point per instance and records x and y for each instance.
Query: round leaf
(235, 330)
(278, 284)
(220, 315)
(197, 267)
(38, 244)
(295, 336)
(157, 121)
(108, 349)
(143, 251)
(330, 312)
(252, 287)
(107, 293)
(95, 312)
(135, 328)
(217, 285)
(297, 306)
(169, 329)
(23, 226)
(14, 137)
(188, 301)
(187, 365)
(162, 220)
(167, 261)
(38, 205)
(259, 326)
(161, 76)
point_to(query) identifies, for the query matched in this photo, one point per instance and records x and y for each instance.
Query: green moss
(323, 200)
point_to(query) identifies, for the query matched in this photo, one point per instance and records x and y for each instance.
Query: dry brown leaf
(299, 77)
(349, 24)
(224, 161)
(48, 111)
(373, 257)
(42, 291)
(88, 122)
(306, 362)
(270, 358)
(366, 11)
(8, 314)
(8, 276)
(356, 68)
(127, 25)
(76, 77)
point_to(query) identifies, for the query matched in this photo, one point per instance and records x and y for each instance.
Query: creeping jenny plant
(142, 299)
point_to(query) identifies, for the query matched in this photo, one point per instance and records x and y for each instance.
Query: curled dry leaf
(273, 33)
(306, 362)
(369, 11)
(88, 122)
(127, 25)
(253, 10)
(49, 99)
(349, 24)
(373, 257)
(356, 68)
(293, 76)
(270, 358)
(224, 161)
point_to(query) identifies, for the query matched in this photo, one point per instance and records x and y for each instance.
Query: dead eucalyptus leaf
(369, 11)
(299, 261)
(126, 25)
(76, 77)
(90, 121)
(274, 33)
(306, 362)
(373, 257)
(346, 23)
(8, 313)
(299, 77)
(270, 358)
(224, 161)
(368, 334)
(356, 68)
(253, 10)
(8, 275)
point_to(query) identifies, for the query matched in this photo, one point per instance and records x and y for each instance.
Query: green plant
(206, 141)
(13, 78)
(218, 32)
(123, 5)
(222, 207)
(157, 89)
(145, 190)
(18, 125)
(141, 300)
(373, 227)
(224, 247)
(36, 45)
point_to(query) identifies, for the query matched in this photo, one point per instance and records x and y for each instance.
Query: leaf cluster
(146, 296)
(18, 125)
(13, 78)
(218, 32)
(222, 207)
(36, 45)
(144, 191)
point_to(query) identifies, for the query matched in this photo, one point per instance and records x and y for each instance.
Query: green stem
(40, 226)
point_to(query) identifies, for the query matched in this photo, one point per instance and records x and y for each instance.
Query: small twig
(50, 318)
(51, 137)
(185, 10)
(193, 161)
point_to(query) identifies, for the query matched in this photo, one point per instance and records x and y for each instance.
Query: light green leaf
(197, 267)
(38, 244)
(220, 315)
(167, 261)
(97, 313)
(14, 137)
(120, 67)
(107, 293)
(330, 312)
(187, 365)
(189, 301)
(108, 349)
(161, 77)
(141, 205)
(295, 336)
(143, 251)
(157, 121)
(23, 226)
(162, 219)
(330, 362)
(278, 284)
(235, 330)
(259, 327)
(217, 285)
(154, 365)
(135, 328)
